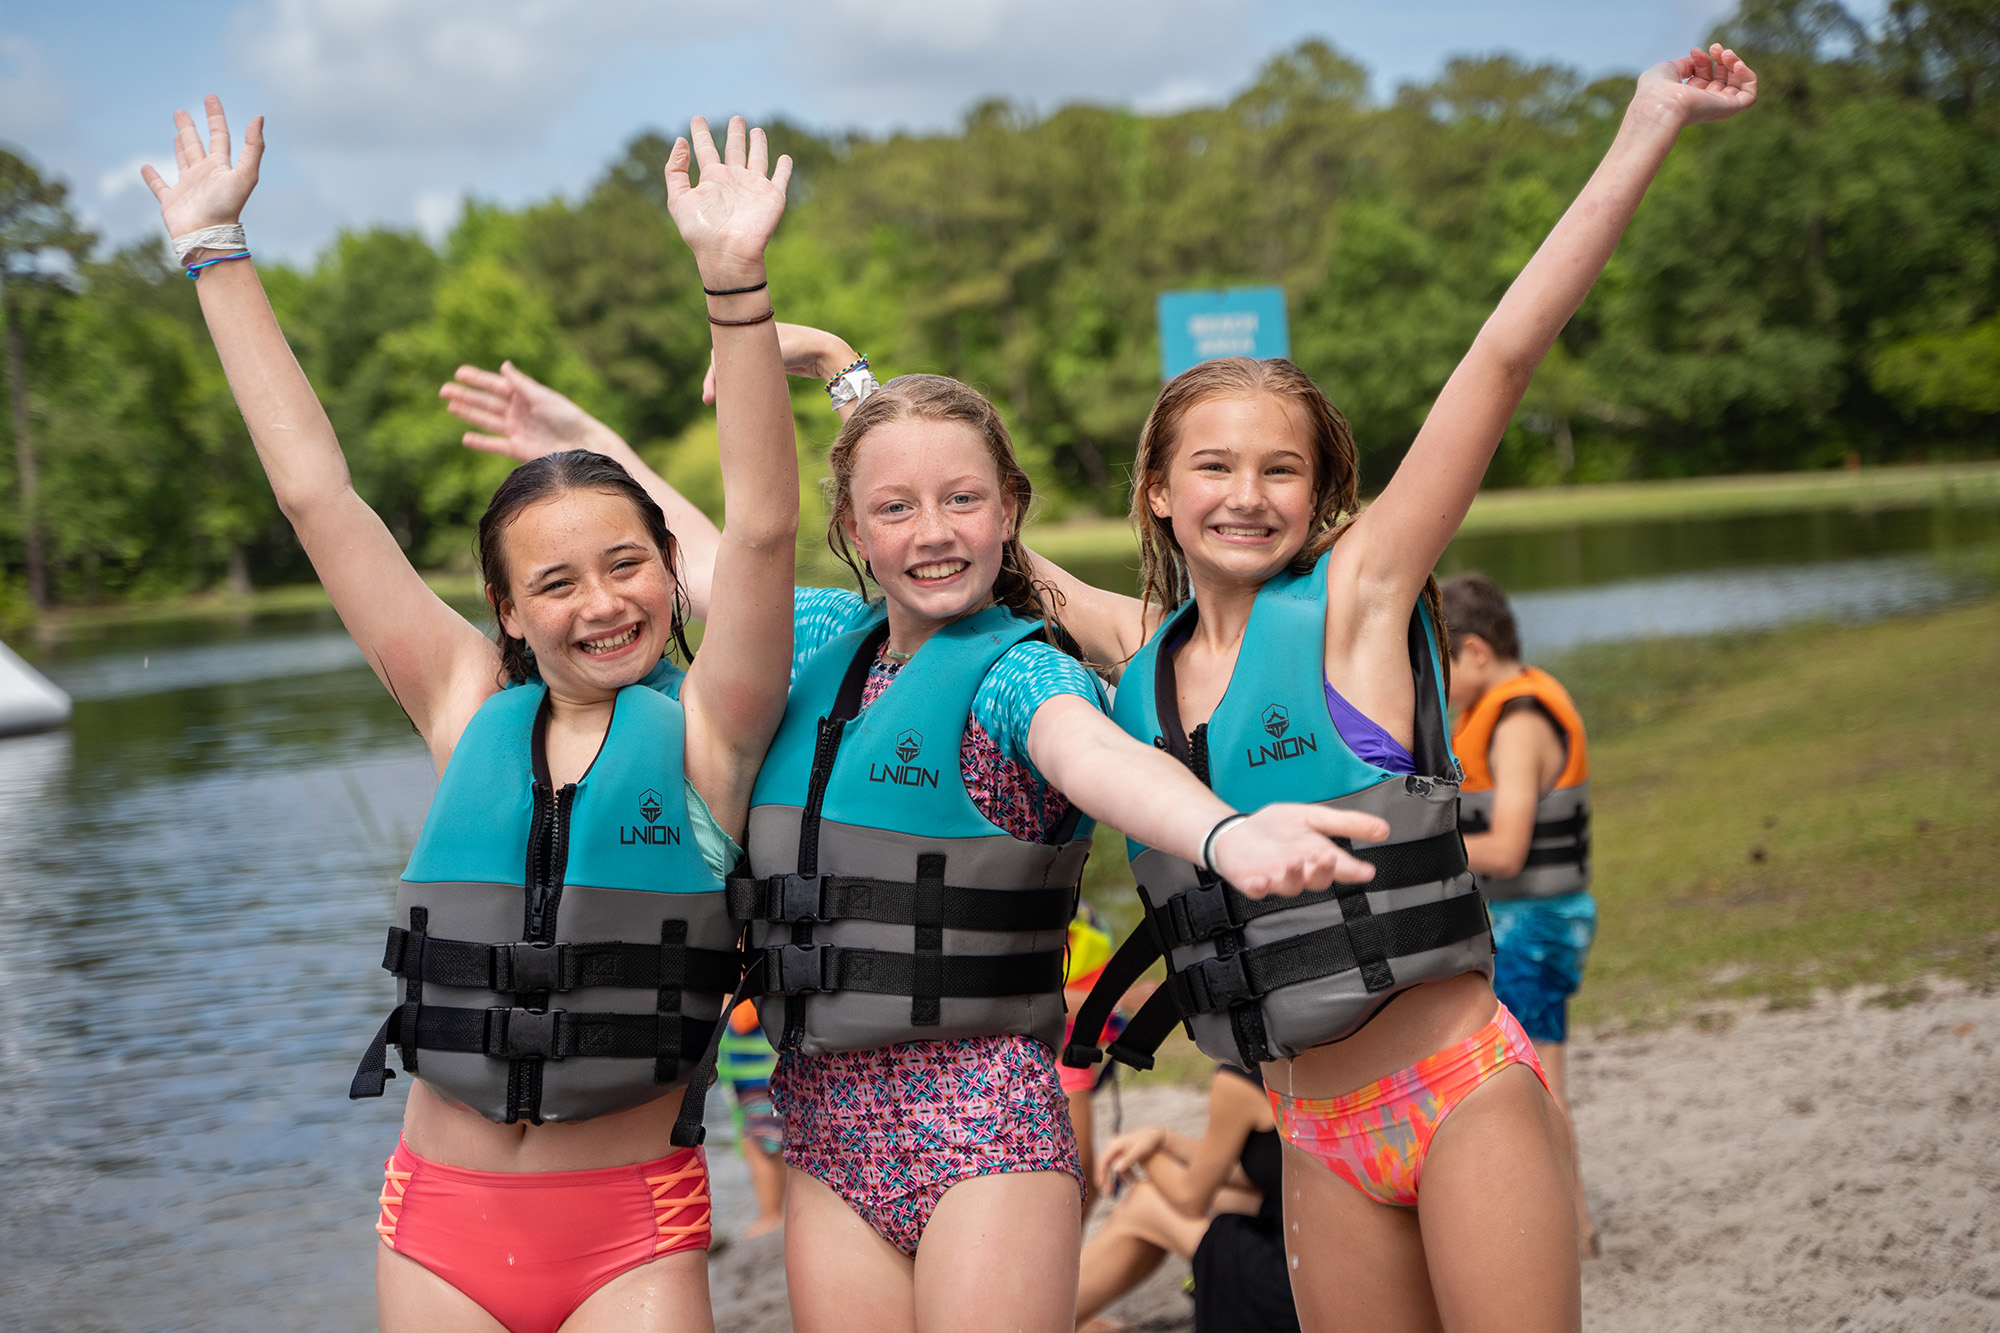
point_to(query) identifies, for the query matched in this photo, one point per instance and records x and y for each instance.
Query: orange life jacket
(1559, 855)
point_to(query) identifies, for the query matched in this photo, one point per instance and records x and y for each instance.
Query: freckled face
(591, 593)
(1239, 488)
(930, 516)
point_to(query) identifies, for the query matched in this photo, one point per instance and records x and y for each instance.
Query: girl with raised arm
(1287, 643)
(561, 940)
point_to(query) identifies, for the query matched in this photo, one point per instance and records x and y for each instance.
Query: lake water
(197, 875)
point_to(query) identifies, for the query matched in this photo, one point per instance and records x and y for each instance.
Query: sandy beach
(1836, 1166)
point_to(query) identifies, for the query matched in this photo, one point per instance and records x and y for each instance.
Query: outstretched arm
(432, 660)
(1109, 626)
(1396, 541)
(1282, 849)
(735, 691)
(516, 415)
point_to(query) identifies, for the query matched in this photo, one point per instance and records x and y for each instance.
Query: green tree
(39, 238)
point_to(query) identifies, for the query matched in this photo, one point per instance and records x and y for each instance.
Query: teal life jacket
(1258, 979)
(883, 907)
(567, 949)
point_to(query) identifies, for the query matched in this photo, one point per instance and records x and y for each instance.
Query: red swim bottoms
(531, 1247)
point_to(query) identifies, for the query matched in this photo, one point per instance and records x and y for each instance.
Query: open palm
(515, 414)
(210, 191)
(729, 217)
(1706, 85)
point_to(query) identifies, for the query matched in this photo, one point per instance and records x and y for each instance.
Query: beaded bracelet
(194, 270)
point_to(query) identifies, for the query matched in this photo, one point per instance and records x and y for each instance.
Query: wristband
(1222, 826)
(852, 385)
(770, 312)
(738, 291)
(194, 270)
(227, 237)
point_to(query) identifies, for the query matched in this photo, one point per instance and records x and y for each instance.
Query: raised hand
(1288, 849)
(210, 191)
(519, 416)
(728, 218)
(1702, 86)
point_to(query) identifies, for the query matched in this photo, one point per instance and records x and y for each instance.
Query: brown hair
(940, 398)
(1474, 604)
(1336, 476)
(545, 478)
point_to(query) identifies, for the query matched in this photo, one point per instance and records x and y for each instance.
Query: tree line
(1818, 281)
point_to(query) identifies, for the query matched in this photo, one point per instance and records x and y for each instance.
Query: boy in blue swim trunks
(1525, 814)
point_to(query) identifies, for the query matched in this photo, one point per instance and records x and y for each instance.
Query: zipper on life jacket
(548, 858)
(825, 748)
(1198, 754)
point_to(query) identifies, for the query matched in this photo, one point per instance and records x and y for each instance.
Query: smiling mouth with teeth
(610, 644)
(1234, 530)
(939, 569)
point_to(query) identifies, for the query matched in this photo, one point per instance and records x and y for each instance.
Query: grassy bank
(1615, 502)
(1781, 812)
(1802, 809)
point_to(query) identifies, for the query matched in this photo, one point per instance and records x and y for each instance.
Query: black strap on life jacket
(517, 968)
(1570, 836)
(787, 898)
(523, 1034)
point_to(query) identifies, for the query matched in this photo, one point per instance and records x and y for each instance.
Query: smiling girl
(551, 1016)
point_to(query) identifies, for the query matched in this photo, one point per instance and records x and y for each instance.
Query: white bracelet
(229, 237)
(853, 387)
(1208, 844)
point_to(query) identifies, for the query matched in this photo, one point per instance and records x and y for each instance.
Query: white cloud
(34, 102)
(444, 72)
(125, 179)
(436, 210)
(916, 62)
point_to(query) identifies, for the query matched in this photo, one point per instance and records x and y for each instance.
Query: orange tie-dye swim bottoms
(1375, 1138)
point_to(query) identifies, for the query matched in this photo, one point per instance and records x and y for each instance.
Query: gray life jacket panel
(1258, 979)
(565, 951)
(883, 906)
(1559, 854)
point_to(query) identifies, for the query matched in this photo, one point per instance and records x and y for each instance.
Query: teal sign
(1225, 321)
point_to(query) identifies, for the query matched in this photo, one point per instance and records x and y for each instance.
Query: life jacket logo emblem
(909, 745)
(1277, 721)
(649, 805)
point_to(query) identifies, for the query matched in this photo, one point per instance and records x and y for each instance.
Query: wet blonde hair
(1336, 476)
(940, 398)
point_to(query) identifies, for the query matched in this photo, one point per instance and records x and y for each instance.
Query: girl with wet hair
(551, 1025)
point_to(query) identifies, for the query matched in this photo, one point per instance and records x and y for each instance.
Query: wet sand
(1831, 1167)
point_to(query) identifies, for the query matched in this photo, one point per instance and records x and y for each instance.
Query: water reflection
(1741, 599)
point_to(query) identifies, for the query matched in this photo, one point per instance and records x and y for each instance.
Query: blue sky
(393, 110)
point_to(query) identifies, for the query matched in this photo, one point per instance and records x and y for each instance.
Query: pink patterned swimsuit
(890, 1130)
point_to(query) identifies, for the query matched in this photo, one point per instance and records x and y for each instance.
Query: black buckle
(522, 1033)
(1200, 913)
(797, 897)
(520, 968)
(795, 969)
(1211, 985)
(1078, 1056)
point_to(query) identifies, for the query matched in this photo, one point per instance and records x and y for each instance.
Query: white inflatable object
(28, 702)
